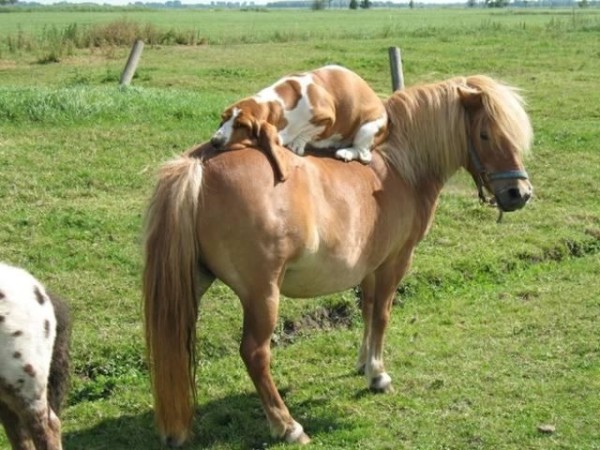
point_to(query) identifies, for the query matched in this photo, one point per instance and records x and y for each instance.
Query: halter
(483, 175)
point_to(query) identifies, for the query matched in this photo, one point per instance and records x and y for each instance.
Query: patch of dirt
(328, 317)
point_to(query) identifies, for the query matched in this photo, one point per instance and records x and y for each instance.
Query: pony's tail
(171, 289)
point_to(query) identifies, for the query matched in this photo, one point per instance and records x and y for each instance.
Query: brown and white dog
(328, 107)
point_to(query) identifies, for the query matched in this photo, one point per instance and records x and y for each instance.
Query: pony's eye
(484, 136)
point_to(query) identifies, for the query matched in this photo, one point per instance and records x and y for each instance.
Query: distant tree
(353, 4)
(318, 5)
(411, 4)
(496, 3)
(8, 2)
(365, 4)
(471, 3)
(583, 3)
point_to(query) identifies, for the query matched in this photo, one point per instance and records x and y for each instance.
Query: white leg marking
(295, 433)
(377, 378)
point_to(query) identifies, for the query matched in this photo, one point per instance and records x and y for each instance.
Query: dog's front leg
(298, 146)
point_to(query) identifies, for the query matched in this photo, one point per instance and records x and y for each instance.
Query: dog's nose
(217, 141)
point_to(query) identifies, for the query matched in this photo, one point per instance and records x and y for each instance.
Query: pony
(34, 350)
(329, 227)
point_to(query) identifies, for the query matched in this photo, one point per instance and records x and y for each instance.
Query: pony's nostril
(515, 193)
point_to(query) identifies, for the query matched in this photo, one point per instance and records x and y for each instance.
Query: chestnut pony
(329, 227)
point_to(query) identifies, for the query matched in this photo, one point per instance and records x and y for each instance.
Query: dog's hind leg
(363, 142)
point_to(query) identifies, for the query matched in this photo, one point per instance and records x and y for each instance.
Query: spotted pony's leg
(43, 426)
(16, 433)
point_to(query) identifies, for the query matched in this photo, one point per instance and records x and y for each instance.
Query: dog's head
(240, 122)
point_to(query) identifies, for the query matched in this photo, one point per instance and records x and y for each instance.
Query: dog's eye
(484, 136)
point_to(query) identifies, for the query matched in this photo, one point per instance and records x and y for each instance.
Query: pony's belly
(312, 282)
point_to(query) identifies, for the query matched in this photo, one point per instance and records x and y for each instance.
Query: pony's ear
(267, 138)
(471, 98)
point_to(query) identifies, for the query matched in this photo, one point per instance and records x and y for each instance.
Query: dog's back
(330, 107)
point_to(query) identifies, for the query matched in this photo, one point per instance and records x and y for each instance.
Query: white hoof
(381, 383)
(296, 435)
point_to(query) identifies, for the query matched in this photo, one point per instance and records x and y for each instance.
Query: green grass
(495, 328)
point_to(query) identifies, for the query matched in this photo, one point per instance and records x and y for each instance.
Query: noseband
(484, 176)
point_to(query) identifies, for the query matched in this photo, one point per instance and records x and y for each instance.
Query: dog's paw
(346, 154)
(364, 156)
(297, 146)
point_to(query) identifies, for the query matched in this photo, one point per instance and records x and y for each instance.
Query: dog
(327, 107)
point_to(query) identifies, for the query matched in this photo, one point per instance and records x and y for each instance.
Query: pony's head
(498, 135)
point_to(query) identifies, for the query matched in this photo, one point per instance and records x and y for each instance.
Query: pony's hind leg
(15, 431)
(43, 426)
(260, 316)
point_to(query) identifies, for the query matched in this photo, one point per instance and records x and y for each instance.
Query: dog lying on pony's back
(34, 351)
(328, 107)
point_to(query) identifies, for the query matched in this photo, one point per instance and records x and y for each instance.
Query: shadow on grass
(236, 422)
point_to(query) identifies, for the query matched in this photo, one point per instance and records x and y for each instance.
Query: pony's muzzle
(515, 196)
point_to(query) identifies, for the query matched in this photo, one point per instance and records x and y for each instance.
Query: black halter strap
(483, 175)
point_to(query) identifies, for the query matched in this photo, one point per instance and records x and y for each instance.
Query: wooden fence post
(132, 62)
(396, 68)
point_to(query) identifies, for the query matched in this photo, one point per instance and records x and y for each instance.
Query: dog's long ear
(268, 139)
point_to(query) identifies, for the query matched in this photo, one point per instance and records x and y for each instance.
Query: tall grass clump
(60, 42)
(78, 105)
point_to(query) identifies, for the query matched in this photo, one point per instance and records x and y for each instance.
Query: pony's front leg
(375, 305)
(377, 377)
(367, 288)
(260, 316)
(387, 278)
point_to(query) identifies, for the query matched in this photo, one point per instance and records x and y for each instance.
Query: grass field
(495, 329)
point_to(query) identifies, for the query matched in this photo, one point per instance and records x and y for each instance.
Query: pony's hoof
(381, 383)
(297, 435)
(174, 441)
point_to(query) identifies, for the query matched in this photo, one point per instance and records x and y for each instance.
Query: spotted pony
(34, 356)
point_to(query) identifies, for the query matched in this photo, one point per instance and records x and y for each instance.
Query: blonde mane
(428, 125)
